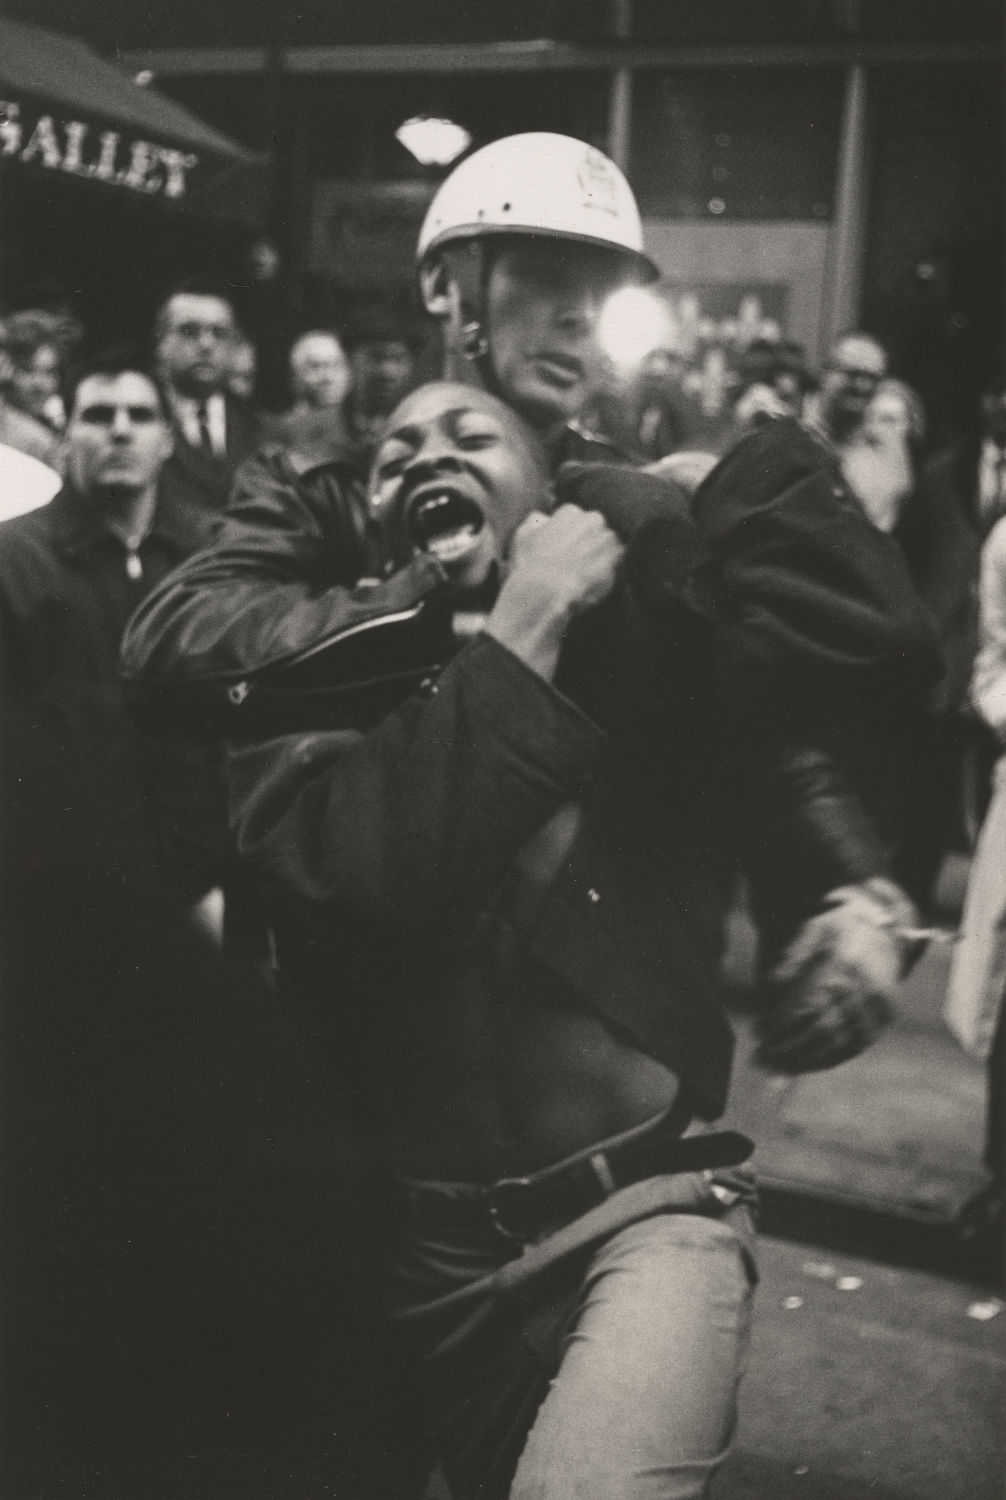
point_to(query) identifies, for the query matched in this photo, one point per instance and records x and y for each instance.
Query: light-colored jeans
(645, 1401)
(608, 1374)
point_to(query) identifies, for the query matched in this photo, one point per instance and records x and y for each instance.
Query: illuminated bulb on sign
(434, 143)
(633, 323)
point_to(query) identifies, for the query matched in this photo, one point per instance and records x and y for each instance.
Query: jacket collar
(77, 531)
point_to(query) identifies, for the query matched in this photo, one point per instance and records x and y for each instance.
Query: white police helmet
(542, 184)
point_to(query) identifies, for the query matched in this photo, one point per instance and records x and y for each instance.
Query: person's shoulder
(29, 527)
(28, 547)
(773, 453)
(585, 444)
(26, 483)
(994, 546)
(21, 431)
(275, 462)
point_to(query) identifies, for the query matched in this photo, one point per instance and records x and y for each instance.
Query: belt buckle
(500, 1198)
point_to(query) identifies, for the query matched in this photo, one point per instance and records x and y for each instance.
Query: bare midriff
(490, 1091)
(503, 1070)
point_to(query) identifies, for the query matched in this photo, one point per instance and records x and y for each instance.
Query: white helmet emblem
(597, 179)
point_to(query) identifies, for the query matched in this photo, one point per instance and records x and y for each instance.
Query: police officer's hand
(831, 994)
(558, 566)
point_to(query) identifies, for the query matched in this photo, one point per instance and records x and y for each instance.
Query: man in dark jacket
(146, 1348)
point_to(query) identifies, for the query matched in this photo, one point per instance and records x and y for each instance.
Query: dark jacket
(196, 478)
(81, 792)
(166, 1232)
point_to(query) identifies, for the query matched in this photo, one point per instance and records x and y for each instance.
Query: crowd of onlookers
(341, 385)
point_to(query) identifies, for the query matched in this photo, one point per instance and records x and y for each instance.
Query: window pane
(752, 144)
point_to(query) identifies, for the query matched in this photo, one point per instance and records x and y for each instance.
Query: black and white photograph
(502, 749)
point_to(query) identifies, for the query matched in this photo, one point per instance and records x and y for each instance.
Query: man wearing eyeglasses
(852, 371)
(195, 334)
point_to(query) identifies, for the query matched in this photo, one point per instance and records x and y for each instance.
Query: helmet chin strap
(468, 268)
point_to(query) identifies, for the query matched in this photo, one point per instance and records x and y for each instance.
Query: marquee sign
(86, 150)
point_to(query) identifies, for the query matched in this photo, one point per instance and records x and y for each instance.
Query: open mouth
(445, 524)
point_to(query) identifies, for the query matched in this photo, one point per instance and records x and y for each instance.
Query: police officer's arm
(814, 606)
(818, 606)
(808, 581)
(280, 574)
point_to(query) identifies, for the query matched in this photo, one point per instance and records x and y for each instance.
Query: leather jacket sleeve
(283, 572)
(811, 589)
(828, 658)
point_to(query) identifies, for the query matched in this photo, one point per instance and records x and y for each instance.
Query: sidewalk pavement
(868, 1382)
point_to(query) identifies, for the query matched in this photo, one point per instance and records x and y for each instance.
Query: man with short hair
(132, 1177)
(195, 333)
(855, 366)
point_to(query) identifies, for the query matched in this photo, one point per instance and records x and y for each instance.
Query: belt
(525, 1208)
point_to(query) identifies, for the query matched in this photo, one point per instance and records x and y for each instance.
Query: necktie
(203, 419)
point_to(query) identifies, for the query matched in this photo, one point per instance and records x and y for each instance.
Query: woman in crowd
(35, 380)
(882, 463)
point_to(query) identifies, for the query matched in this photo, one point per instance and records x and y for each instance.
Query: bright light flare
(634, 322)
(433, 142)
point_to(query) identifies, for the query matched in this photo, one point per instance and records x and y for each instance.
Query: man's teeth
(449, 545)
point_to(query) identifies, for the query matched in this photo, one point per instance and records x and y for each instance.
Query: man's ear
(438, 289)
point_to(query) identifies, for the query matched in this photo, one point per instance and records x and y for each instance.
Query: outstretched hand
(832, 993)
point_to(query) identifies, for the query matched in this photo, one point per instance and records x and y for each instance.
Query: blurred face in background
(196, 343)
(383, 371)
(894, 413)
(319, 370)
(660, 373)
(34, 381)
(854, 370)
(117, 437)
(242, 370)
